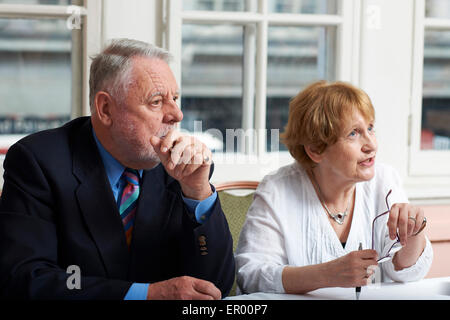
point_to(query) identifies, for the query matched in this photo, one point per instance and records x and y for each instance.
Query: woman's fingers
(393, 222)
(419, 221)
(405, 219)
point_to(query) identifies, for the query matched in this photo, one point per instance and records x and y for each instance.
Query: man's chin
(151, 164)
(148, 162)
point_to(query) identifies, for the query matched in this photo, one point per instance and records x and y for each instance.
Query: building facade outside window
(435, 133)
(228, 46)
(43, 53)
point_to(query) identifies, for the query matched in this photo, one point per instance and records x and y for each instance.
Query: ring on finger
(413, 219)
(424, 224)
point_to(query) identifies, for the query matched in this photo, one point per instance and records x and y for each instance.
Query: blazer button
(203, 248)
(204, 253)
(202, 240)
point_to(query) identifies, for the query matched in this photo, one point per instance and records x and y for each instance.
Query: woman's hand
(352, 270)
(407, 219)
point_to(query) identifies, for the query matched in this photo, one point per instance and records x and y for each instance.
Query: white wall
(129, 19)
(385, 74)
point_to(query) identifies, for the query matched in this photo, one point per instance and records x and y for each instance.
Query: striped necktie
(128, 201)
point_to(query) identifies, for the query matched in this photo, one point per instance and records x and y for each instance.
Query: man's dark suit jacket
(57, 209)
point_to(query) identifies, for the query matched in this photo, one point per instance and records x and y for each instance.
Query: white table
(427, 289)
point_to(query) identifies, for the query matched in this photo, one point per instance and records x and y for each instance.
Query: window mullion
(348, 42)
(77, 74)
(173, 36)
(261, 79)
(92, 42)
(417, 84)
(248, 80)
(159, 23)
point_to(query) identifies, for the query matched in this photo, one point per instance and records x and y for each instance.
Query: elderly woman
(308, 219)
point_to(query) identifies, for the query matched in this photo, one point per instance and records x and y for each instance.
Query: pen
(358, 289)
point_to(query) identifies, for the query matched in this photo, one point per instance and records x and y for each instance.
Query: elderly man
(120, 199)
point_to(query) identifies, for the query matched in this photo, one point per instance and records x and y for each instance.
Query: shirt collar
(113, 168)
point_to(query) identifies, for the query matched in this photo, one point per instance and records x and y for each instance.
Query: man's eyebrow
(159, 93)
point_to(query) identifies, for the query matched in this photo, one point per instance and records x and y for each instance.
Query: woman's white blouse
(287, 226)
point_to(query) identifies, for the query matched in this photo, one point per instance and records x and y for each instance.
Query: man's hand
(187, 160)
(183, 288)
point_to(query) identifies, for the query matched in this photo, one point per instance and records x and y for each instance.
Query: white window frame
(431, 163)
(85, 44)
(428, 171)
(346, 22)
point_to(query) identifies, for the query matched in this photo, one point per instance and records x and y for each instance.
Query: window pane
(303, 6)
(297, 57)
(436, 91)
(35, 75)
(214, 5)
(437, 9)
(212, 80)
(46, 2)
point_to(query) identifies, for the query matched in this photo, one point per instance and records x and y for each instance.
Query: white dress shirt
(286, 225)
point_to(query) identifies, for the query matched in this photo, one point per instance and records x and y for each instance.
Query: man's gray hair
(111, 68)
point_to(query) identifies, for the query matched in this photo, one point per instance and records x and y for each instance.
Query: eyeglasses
(396, 246)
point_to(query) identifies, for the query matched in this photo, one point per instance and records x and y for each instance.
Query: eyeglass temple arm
(387, 196)
(382, 214)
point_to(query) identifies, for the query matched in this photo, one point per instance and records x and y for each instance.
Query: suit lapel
(97, 204)
(152, 218)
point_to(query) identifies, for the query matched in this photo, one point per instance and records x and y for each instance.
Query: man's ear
(103, 107)
(314, 153)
